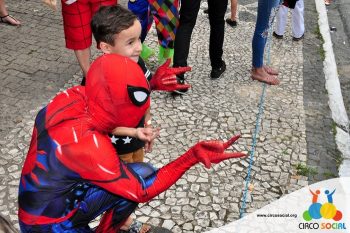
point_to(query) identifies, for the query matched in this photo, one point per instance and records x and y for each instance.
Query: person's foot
(206, 11)
(298, 38)
(217, 72)
(180, 80)
(270, 70)
(232, 23)
(8, 19)
(261, 75)
(277, 36)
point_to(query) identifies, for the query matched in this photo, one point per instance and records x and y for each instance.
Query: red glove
(165, 78)
(208, 152)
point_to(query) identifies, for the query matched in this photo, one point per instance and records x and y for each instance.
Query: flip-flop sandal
(7, 22)
(270, 70)
(136, 227)
(268, 80)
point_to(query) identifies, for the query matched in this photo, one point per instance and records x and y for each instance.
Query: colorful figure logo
(327, 210)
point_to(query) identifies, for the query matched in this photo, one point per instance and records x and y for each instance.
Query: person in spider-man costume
(72, 173)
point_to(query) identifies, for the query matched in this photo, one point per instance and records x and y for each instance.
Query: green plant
(285, 152)
(329, 175)
(305, 170)
(319, 36)
(334, 128)
(322, 53)
(338, 159)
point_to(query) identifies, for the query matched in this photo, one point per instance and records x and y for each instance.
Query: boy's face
(126, 43)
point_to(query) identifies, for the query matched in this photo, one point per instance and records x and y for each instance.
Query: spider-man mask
(117, 92)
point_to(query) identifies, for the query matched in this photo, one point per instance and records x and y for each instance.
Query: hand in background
(165, 78)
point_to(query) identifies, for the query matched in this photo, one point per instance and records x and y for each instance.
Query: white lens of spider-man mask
(138, 95)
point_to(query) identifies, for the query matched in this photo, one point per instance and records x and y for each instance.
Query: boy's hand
(149, 146)
(147, 134)
(165, 78)
(208, 152)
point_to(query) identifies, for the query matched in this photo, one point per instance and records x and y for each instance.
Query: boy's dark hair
(111, 20)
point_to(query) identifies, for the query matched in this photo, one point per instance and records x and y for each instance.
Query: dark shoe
(297, 39)
(277, 36)
(231, 22)
(180, 80)
(83, 81)
(217, 72)
(206, 11)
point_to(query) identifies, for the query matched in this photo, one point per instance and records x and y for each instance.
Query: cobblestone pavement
(322, 151)
(32, 71)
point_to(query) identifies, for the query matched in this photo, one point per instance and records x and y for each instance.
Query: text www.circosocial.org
(277, 215)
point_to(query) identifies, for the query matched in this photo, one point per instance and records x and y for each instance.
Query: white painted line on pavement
(336, 103)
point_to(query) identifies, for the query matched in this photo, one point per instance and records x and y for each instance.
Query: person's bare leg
(233, 10)
(83, 57)
(261, 75)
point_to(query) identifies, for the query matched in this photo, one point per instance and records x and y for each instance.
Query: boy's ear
(105, 48)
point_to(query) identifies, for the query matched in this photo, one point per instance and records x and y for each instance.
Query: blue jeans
(264, 20)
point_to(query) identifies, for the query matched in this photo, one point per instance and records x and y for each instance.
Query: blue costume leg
(141, 9)
(96, 202)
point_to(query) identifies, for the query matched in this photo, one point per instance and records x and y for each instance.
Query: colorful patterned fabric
(166, 18)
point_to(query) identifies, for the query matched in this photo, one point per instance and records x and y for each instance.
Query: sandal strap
(8, 15)
(3, 17)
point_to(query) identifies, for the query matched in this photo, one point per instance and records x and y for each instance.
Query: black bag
(290, 3)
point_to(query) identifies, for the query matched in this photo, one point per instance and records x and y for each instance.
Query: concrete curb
(336, 103)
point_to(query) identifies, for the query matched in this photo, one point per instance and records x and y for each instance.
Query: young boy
(117, 31)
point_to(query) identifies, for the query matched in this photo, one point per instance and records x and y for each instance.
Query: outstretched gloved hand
(208, 152)
(165, 78)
